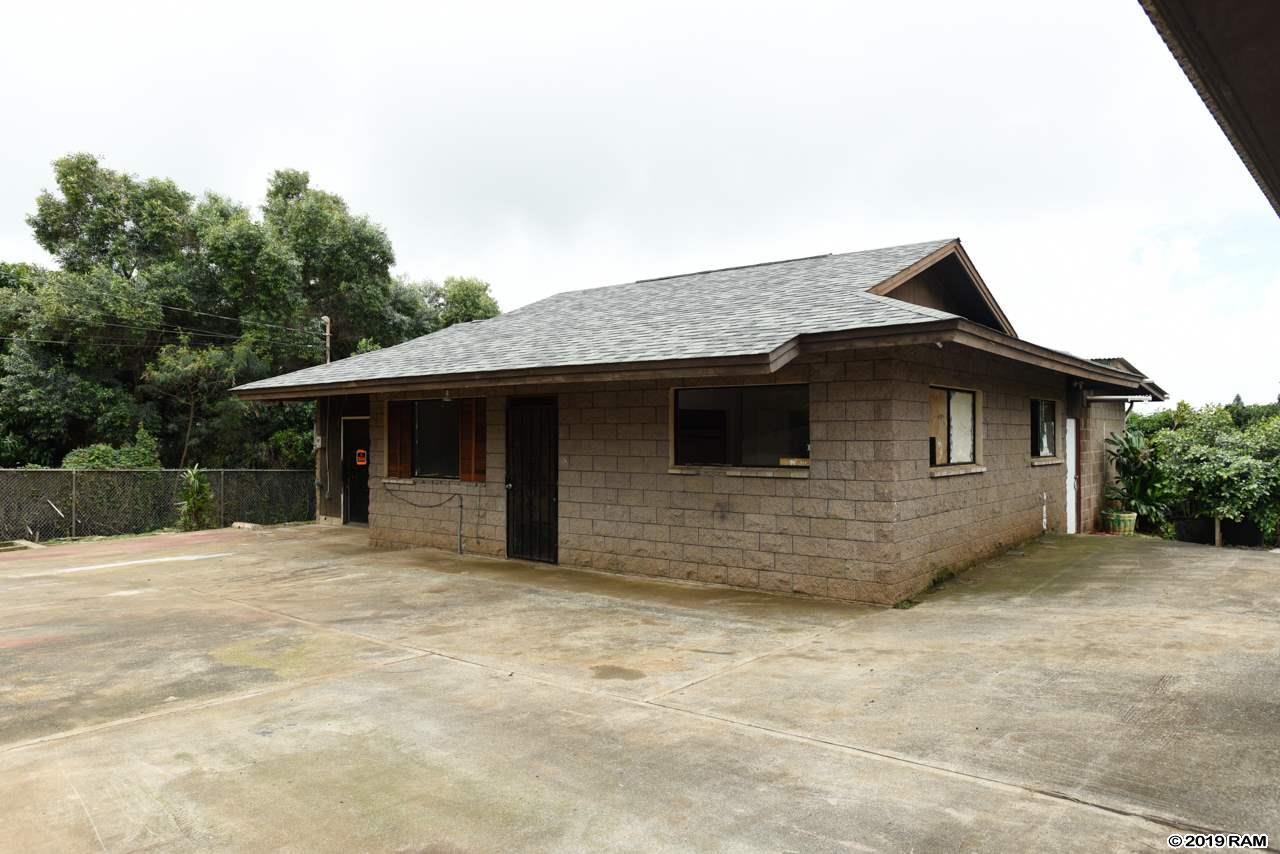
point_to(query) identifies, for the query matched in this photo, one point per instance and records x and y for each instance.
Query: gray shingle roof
(740, 311)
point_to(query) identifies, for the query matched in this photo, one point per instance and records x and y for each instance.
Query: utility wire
(315, 333)
(235, 319)
(108, 342)
(175, 329)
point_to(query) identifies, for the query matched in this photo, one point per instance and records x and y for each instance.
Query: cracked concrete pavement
(292, 689)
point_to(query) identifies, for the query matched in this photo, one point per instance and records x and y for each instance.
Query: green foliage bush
(1215, 462)
(142, 453)
(196, 509)
(1138, 487)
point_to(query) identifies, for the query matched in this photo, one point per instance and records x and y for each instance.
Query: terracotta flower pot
(1120, 522)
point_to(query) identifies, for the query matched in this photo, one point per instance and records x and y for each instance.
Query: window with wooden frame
(953, 426)
(757, 426)
(1044, 428)
(439, 438)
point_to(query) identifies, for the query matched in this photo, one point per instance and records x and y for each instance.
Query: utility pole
(328, 331)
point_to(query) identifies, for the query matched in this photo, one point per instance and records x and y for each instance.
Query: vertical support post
(74, 502)
(222, 498)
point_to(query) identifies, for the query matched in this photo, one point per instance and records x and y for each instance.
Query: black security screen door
(355, 470)
(532, 461)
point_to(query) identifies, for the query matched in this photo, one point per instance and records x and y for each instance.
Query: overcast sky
(546, 147)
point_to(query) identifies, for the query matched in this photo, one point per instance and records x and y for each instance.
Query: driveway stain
(611, 671)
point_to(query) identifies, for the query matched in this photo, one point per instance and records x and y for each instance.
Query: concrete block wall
(1099, 420)
(950, 522)
(820, 532)
(866, 521)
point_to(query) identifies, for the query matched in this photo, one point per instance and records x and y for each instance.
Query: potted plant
(1138, 489)
(1120, 520)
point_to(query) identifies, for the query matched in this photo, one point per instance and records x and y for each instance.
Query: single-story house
(838, 425)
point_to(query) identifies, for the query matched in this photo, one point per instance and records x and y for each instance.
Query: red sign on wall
(362, 457)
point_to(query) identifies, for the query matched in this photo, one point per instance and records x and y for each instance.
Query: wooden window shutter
(400, 439)
(471, 439)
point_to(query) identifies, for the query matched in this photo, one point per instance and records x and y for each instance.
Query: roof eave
(970, 334)
(949, 330)
(1207, 77)
(604, 372)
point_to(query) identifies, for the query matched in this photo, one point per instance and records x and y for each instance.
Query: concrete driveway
(290, 689)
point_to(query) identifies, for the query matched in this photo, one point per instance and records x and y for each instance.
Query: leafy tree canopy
(162, 300)
(1220, 462)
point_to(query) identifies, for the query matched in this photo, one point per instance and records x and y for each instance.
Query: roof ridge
(734, 267)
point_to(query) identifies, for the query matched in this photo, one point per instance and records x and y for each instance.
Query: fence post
(222, 498)
(74, 508)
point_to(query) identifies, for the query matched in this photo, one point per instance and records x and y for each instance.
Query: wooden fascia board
(614, 372)
(969, 268)
(1207, 77)
(952, 330)
(915, 269)
(905, 335)
(952, 247)
(979, 337)
(976, 336)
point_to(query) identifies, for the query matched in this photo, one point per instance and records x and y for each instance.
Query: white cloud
(550, 146)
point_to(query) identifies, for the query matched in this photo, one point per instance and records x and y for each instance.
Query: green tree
(1212, 468)
(162, 300)
(191, 378)
(103, 218)
(464, 299)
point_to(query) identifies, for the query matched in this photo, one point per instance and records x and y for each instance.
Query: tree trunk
(186, 439)
(1217, 530)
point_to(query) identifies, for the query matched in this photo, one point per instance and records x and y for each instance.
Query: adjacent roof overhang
(1148, 385)
(1228, 52)
(954, 331)
(951, 249)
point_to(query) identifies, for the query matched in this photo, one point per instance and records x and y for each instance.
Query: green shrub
(142, 453)
(1215, 470)
(195, 506)
(1139, 486)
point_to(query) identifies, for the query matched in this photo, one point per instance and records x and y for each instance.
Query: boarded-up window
(953, 426)
(1044, 428)
(400, 439)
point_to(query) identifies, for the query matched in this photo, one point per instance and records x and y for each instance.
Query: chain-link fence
(45, 504)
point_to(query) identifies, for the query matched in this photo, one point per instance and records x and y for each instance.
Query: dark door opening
(533, 448)
(355, 470)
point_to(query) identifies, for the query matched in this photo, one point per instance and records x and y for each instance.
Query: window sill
(955, 471)
(742, 471)
(1047, 461)
(410, 481)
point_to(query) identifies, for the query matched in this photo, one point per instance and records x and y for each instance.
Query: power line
(309, 332)
(176, 329)
(235, 319)
(109, 342)
(106, 342)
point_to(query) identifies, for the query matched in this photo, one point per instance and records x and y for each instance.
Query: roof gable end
(946, 280)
